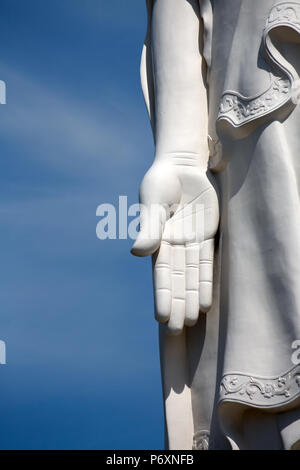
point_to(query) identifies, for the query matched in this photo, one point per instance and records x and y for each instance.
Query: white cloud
(68, 135)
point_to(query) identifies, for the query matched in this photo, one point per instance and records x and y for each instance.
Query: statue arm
(174, 89)
(180, 94)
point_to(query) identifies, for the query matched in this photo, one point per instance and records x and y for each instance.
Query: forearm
(180, 94)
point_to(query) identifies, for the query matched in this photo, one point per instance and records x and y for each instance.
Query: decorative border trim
(239, 110)
(201, 440)
(261, 391)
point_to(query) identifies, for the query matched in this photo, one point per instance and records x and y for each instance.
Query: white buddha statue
(220, 82)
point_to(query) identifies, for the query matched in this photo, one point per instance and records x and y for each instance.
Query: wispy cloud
(68, 135)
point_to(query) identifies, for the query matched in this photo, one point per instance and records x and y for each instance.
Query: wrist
(183, 160)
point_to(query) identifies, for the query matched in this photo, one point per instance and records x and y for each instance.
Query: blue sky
(76, 313)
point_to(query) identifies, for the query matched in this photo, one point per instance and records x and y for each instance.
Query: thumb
(160, 189)
(152, 223)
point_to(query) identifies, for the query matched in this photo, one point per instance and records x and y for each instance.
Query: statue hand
(179, 219)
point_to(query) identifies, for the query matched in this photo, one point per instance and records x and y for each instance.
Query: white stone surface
(219, 82)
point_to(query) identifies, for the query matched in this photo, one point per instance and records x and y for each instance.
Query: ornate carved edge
(261, 391)
(201, 440)
(239, 110)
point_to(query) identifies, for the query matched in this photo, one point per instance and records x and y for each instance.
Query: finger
(192, 284)
(176, 321)
(206, 274)
(152, 221)
(162, 283)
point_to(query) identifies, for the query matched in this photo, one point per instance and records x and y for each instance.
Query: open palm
(184, 245)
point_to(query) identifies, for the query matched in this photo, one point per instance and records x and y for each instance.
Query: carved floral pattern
(201, 440)
(261, 391)
(287, 11)
(241, 109)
